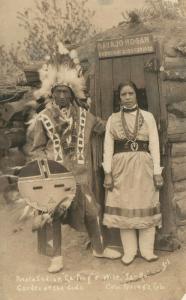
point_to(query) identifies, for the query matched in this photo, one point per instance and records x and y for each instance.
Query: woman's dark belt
(127, 146)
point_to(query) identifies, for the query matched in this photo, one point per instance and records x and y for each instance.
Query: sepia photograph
(93, 149)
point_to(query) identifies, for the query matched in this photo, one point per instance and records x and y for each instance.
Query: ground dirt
(24, 274)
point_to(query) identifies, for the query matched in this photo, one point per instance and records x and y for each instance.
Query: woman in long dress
(132, 175)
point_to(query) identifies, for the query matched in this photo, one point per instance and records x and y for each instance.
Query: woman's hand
(158, 181)
(108, 182)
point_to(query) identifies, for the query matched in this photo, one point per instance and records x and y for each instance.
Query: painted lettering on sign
(126, 46)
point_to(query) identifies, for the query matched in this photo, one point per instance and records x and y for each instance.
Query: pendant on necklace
(134, 146)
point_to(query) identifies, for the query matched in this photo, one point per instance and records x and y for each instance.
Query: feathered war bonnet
(65, 71)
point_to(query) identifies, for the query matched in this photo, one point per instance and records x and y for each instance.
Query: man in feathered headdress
(63, 133)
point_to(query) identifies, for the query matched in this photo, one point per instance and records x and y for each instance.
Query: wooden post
(97, 86)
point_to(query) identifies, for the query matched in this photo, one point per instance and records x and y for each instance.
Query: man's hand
(99, 127)
(158, 181)
(108, 182)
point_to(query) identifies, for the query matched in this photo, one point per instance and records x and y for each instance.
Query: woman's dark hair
(131, 84)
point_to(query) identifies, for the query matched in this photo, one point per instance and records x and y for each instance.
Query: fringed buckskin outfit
(69, 143)
(134, 201)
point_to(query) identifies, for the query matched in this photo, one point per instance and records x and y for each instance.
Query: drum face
(44, 190)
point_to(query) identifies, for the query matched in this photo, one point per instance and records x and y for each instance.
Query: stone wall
(173, 75)
(16, 107)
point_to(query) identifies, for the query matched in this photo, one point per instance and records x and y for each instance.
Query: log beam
(179, 171)
(180, 186)
(176, 128)
(178, 149)
(174, 91)
(178, 109)
(177, 138)
(174, 62)
(174, 75)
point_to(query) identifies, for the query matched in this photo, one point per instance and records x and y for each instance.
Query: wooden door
(112, 71)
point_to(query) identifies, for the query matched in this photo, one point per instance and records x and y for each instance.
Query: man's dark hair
(72, 93)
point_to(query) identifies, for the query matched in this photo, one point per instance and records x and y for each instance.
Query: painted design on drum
(55, 185)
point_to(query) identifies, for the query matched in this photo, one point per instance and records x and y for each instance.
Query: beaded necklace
(69, 134)
(131, 136)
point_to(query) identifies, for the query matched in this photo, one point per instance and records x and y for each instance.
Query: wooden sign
(124, 46)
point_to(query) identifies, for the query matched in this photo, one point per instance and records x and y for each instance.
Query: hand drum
(46, 183)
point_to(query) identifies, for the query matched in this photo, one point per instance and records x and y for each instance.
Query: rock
(4, 183)
(169, 48)
(181, 232)
(179, 196)
(180, 186)
(181, 47)
(2, 200)
(181, 209)
(13, 158)
(174, 75)
(11, 193)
